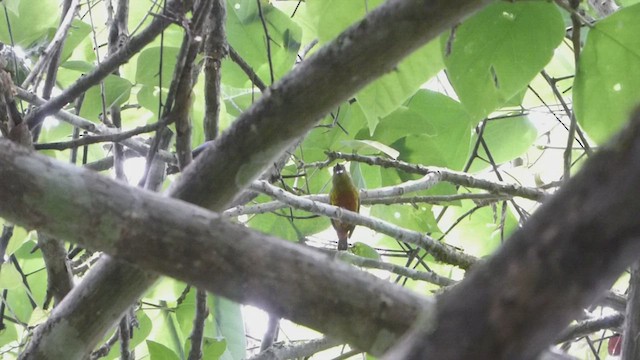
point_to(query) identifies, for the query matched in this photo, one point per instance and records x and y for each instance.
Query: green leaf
(213, 348)
(245, 32)
(20, 236)
(148, 97)
(506, 139)
(158, 351)
(495, 54)
(334, 16)
(387, 93)
(9, 277)
(608, 80)
(77, 33)
(116, 91)
(337, 133)
(373, 147)
(166, 289)
(30, 24)
(9, 335)
(365, 176)
(18, 304)
(432, 130)
(230, 325)
(418, 219)
(364, 250)
(281, 226)
(628, 2)
(143, 329)
(148, 65)
(479, 233)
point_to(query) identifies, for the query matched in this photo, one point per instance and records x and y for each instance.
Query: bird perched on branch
(345, 195)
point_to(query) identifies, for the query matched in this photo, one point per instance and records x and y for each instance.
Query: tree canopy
(164, 164)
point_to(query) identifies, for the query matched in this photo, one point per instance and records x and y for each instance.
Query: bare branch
(198, 247)
(454, 177)
(439, 250)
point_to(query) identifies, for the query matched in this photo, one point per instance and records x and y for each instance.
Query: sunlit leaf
(607, 83)
(494, 54)
(364, 250)
(158, 351)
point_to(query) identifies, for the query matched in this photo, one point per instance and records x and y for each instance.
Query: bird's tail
(342, 242)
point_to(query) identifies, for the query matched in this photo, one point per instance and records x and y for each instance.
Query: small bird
(345, 195)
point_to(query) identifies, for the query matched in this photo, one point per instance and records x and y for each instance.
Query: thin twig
(255, 79)
(94, 139)
(267, 38)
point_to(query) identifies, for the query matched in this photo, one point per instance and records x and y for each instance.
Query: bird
(343, 194)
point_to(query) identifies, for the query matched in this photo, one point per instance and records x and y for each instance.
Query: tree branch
(571, 250)
(293, 351)
(284, 114)
(440, 251)
(135, 44)
(215, 49)
(198, 247)
(85, 124)
(454, 177)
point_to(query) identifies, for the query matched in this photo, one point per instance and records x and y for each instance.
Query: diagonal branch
(571, 250)
(440, 251)
(278, 119)
(201, 248)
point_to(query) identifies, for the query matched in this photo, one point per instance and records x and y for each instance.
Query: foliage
(482, 99)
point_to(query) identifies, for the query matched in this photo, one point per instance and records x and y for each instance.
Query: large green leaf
(230, 326)
(148, 65)
(480, 232)
(387, 93)
(628, 2)
(506, 139)
(282, 226)
(337, 130)
(245, 32)
(493, 55)
(334, 16)
(29, 21)
(116, 92)
(158, 351)
(432, 129)
(607, 85)
(419, 218)
(77, 33)
(9, 277)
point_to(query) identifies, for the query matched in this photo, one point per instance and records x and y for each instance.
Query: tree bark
(572, 249)
(284, 114)
(171, 237)
(630, 339)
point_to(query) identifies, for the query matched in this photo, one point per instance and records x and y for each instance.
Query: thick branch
(284, 114)
(292, 105)
(631, 342)
(199, 247)
(572, 249)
